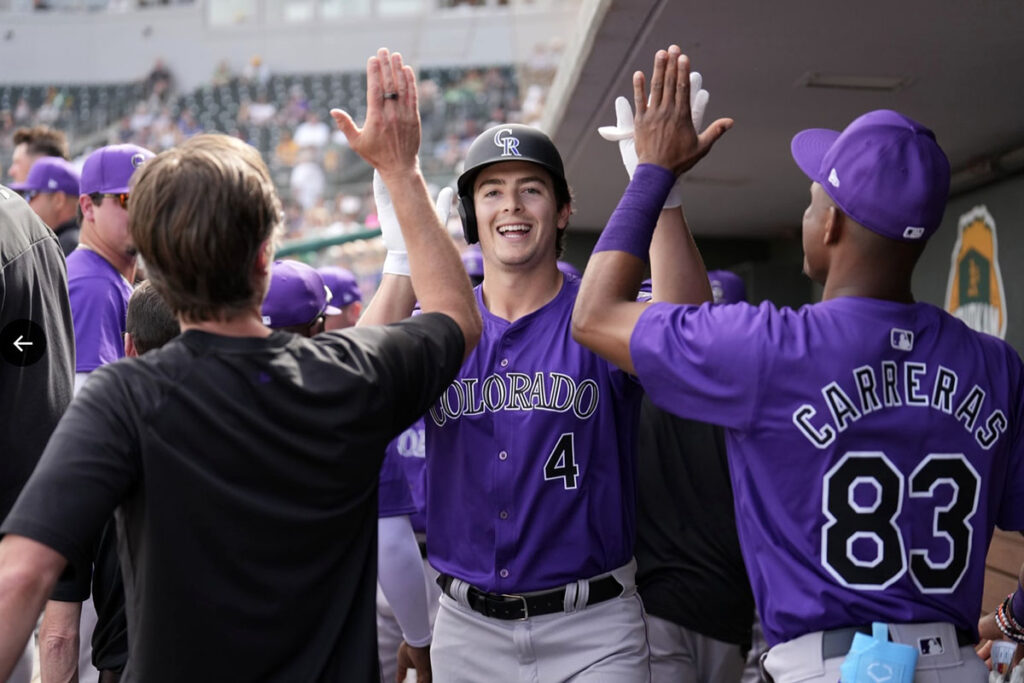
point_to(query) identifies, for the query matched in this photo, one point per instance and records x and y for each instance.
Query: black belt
(509, 607)
(837, 643)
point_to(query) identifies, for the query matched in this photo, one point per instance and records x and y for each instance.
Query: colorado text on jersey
(904, 383)
(515, 391)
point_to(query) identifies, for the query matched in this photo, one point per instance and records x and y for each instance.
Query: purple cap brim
(18, 187)
(809, 148)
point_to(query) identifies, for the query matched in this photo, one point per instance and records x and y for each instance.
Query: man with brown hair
(31, 144)
(246, 456)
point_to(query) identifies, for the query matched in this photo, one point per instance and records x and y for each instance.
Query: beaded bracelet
(1007, 623)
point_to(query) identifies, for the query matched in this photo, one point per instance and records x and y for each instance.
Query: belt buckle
(526, 608)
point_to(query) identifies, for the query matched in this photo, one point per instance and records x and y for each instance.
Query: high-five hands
(622, 132)
(664, 128)
(390, 137)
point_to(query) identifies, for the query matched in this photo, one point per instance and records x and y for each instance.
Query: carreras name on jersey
(892, 385)
(517, 391)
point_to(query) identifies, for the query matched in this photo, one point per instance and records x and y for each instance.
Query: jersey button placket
(503, 514)
(503, 455)
(503, 573)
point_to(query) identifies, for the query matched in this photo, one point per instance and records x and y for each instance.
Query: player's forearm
(59, 642)
(28, 572)
(677, 269)
(438, 277)
(606, 309)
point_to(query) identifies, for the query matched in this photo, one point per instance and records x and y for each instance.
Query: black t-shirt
(689, 567)
(33, 289)
(246, 472)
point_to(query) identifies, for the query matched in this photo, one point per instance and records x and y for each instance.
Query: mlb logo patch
(913, 233)
(833, 178)
(930, 646)
(901, 340)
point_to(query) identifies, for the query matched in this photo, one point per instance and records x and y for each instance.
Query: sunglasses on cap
(121, 198)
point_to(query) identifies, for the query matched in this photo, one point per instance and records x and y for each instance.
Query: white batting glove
(397, 260)
(622, 132)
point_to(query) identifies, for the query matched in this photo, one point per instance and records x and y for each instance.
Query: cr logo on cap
(137, 160)
(509, 143)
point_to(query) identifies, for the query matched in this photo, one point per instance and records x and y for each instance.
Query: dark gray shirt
(33, 292)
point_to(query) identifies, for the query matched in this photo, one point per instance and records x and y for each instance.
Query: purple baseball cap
(297, 295)
(50, 174)
(727, 287)
(885, 170)
(342, 285)
(109, 169)
(568, 269)
(473, 261)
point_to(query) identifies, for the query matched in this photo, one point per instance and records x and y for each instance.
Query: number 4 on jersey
(561, 464)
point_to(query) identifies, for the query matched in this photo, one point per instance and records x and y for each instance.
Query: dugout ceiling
(956, 66)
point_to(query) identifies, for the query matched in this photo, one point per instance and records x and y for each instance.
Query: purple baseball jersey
(393, 495)
(872, 447)
(99, 303)
(407, 448)
(531, 458)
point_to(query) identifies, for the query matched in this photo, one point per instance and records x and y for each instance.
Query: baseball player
(297, 300)
(51, 189)
(409, 449)
(101, 272)
(266, 498)
(346, 297)
(873, 441)
(530, 452)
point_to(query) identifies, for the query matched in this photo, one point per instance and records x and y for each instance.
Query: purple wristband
(631, 225)
(1017, 605)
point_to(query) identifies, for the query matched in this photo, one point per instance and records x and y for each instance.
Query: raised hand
(664, 130)
(390, 137)
(622, 132)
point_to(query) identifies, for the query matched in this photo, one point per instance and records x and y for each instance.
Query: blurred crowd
(324, 185)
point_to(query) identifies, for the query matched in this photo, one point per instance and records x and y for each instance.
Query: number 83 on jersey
(863, 497)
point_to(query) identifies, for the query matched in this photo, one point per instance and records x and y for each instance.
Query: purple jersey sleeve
(99, 304)
(872, 448)
(394, 497)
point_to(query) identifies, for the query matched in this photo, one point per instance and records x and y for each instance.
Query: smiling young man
(530, 453)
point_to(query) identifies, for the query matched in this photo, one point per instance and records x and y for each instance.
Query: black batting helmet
(507, 142)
